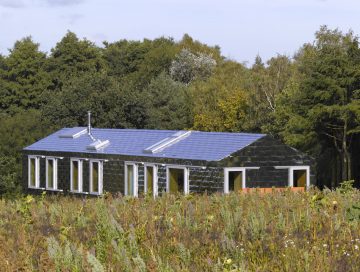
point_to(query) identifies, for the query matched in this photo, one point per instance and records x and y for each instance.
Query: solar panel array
(198, 145)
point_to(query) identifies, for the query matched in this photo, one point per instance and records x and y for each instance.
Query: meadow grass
(282, 231)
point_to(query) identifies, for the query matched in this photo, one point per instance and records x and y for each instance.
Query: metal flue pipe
(89, 122)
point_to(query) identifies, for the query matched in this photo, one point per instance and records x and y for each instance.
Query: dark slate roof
(207, 146)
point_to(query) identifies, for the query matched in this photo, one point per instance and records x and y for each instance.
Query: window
(96, 177)
(33, 172)
(150, 177)
(234, 179)
(51, 173)
(298, 176)
(76, 175)
(131, 179)
(177, 179)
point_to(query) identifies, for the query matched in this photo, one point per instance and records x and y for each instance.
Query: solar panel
(73, 133)
(161, 145)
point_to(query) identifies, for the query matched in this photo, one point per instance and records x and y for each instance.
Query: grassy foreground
(312, 231)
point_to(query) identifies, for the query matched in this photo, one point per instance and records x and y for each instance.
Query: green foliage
(137, 63)
(20, 130)
(346, 187)
(220, 103)
(322, 110)
(23, 77)
(9, 175)
(112, 105)
(167, 104)
(266, 86)
(72, 57)
(353, 213)
(189, 43)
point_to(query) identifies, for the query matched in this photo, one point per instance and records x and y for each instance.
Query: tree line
(310, 101)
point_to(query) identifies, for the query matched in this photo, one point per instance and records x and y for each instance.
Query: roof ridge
(171, 130)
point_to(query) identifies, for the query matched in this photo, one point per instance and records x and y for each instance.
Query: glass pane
(95, 177)
(50, 173)
(32, 172)
(75, 175)
(130, 180)
(149, 178)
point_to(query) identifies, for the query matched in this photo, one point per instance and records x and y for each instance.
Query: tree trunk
(346, 173)
(346, 156)
(349, 166)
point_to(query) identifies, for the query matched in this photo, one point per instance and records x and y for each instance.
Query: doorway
(150, 177)
(299, 178)
(177, 180)
(234, 179)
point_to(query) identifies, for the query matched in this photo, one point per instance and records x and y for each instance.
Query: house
(85, 160)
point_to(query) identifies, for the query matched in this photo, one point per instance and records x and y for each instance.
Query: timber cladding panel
(204, 176)
(201, 180)
(209, 180)
(268, 153)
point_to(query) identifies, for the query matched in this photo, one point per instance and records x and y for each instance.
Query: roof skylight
(161, 145)
(73, 133)
(97, 145)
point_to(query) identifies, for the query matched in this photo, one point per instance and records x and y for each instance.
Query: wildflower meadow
(280, 231)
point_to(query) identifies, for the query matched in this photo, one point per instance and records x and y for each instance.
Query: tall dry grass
(284, 231)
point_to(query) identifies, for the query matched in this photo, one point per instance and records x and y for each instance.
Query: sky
(242, 28)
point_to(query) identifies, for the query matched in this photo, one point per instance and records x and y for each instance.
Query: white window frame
(37, 172)
(291, 173)
(100, 177)
(236, 169)
(226, 177)
(136, 181)
(186, 177)
(155, 178)
(55, 173)
(80, 175)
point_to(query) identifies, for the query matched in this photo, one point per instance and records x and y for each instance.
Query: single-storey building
(85, 160)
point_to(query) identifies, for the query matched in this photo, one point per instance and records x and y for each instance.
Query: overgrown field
(312, 231)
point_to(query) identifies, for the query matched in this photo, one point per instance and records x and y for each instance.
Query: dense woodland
(310, 101)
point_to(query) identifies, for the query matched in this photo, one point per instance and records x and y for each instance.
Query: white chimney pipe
(89, 122)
